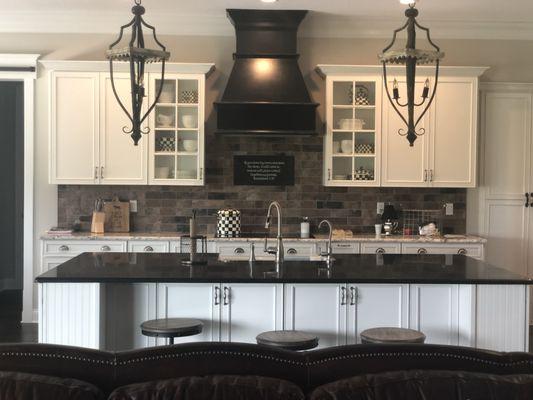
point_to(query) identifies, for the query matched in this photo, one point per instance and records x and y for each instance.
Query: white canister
(304, 229)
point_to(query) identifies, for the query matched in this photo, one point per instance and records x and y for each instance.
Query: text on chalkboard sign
(263, 170)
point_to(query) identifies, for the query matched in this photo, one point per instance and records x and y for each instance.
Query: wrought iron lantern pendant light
(137, 56)
(410, 56)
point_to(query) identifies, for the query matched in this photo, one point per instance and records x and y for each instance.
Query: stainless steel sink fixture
(329, 250)
(278, 251)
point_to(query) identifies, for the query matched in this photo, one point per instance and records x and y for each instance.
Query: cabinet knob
(105, 248)
(292, 251)
(422, 251)
(64, 248)
(380, 250)
(462, 251)
(148, 248)
(239, 250)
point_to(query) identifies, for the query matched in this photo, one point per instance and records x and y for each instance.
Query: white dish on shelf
(188, 121)
(166, 97)
(165, 119)
(187, 174)
(346, 146)
(162, 172)
(190, 145)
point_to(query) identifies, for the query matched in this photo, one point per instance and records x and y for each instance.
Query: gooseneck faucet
(279, 241)
(329, 251)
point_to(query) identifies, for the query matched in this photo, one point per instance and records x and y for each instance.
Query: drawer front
(237, 249)
(177, 247)
(148, 246)
(75, 247)
(471, 250)
(49, 263)
(341, 247)
(381, 248)
(298, 250)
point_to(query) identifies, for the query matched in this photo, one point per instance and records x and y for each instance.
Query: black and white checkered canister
(229, 223)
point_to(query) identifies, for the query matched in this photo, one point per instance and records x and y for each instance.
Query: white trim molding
(341, 70)
(103, 66)
(29, 61)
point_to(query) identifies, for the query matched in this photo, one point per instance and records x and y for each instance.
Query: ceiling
(486, 19)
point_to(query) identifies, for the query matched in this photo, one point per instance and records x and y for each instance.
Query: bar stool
(288, 340)
(392, 335)
(171, 328)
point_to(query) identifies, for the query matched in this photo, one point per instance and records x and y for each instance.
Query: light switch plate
(133, 206)
(449, 208)
(380, 207)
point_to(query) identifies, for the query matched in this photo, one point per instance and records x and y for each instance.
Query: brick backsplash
(167, 208)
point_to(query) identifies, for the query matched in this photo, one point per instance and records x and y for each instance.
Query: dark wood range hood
(266, 93)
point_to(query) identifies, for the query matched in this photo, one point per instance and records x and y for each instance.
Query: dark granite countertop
(356, 268)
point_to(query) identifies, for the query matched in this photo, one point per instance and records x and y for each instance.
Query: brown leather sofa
(223, 371)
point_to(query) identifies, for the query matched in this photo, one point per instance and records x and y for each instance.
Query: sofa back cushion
(422, 385)
(23, 386)
(217, 387)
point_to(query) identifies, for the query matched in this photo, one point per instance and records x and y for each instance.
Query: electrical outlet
(449, 208)
(133, 206)
(380, 207)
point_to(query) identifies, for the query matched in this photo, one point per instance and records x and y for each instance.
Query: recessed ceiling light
(408, 1)
(269, 1)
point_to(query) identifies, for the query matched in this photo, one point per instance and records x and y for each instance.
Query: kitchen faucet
(279, 241)
(329, 251)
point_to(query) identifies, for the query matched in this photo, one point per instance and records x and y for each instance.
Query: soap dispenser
(304, 228)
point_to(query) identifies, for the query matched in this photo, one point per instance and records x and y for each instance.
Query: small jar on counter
(304, 228)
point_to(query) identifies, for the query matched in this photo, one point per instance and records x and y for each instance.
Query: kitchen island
(98, 300)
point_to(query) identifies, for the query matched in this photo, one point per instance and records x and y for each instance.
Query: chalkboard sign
(263, 170)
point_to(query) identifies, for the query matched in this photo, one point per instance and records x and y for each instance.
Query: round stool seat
(392, 335)
(172, 327)
(289, 340)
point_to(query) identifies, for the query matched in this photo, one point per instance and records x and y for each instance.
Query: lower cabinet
(376, 305)
(320, 309)
(191, 300)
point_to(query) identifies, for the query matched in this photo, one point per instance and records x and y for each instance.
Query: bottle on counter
(304, 228)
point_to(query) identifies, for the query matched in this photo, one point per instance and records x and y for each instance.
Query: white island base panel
(108, 315)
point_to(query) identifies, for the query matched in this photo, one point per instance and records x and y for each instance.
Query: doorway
(11, 201)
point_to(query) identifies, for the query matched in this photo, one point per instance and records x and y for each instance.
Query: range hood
(266, 93)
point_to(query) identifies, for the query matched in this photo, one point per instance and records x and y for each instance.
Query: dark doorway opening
(11, 201)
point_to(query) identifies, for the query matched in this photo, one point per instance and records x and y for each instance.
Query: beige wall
(508, 61)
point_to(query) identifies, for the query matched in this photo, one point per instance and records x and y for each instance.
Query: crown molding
(18, 60)
(103, 66)
(316, 25)
(325, 70)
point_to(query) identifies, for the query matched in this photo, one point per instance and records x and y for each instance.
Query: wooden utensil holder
(97, 225)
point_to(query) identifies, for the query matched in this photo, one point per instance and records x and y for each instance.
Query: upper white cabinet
(74, 137)
(352, 142)
(177, 141)
(87, 141)
(444, 155)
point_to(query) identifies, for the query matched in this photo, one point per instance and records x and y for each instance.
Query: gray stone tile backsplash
(167, 208)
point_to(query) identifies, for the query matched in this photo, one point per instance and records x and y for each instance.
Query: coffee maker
(390, 219)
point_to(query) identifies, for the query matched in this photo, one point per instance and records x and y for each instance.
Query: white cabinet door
(249, 309)
(376, 305)
(434, 310)
(74, 128)
(121, 162)
(191, 300)
(453, 133)
(403, 165)
(128, 305)
(320, 309)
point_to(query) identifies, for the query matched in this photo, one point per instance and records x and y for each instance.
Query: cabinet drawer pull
(292, 251)
(239, 250)
(343, 245)
(462, 251)
(95, 172)
(353, 296)
(226, 295)
(105, 248)
(101, 172)
(425, 175)
(380, 250)
(422, 251)
(217, 296)
(148, 248)
(527, 200)
(343, 296)
(64, 247)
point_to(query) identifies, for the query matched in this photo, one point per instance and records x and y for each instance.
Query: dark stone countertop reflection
(357, 268)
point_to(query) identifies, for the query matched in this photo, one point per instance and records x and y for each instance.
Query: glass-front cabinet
(177, 126)
(353, 130)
